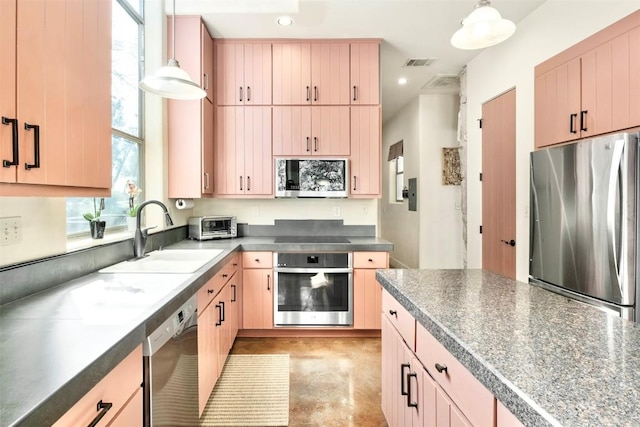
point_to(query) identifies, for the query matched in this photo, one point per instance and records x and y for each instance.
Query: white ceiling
(408, 29)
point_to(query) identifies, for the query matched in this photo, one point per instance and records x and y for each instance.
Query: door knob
(510, 242)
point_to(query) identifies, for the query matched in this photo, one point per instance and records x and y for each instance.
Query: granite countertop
(550, 360)
(52, 354)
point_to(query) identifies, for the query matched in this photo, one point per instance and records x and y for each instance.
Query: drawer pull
(441, 368)
(234, 299)
(402, 377)
(411, 404)
(219, 322)
(103, 408)
(209, 291)
(225, 275)
(370, 260)
(393, 313)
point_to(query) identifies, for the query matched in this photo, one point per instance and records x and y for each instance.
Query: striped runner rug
(253, 390)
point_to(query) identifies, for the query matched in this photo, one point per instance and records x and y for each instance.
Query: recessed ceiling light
(402, 81)
(285, 21)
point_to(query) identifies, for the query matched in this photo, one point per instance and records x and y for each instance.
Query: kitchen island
(549, 360)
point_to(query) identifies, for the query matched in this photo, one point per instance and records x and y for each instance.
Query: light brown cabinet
(55, 98)
(257, 290)
(367, 292)
(590, 88)
(190, 122)
(243, 161)
(365, 152)
(365, 73)
(243, 72)
(116, 400)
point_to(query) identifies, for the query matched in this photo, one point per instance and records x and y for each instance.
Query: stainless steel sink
(166, 261)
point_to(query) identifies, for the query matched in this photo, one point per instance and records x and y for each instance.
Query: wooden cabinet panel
(257, 259)
(132, 413)
(400, 318)
(365, 73)
(292, 131)
(229, 69)
(330, 130)
(595, 112)
(634, 78)
(66, 143)
(365, 151)
(330, 73)
(257, 299)
(207, 353)
(257, 73)
(370, 259)
(206, 53)
(7, 86)
(367, 300)
(291, 73)
(243, 73)
(117, 387)
(258, 163)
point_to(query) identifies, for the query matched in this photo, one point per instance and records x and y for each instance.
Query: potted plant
(97, 226)
(133, 191)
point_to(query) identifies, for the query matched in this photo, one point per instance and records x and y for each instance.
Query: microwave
(311, 177)
(212, 227)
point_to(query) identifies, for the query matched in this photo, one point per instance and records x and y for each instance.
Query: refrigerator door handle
(617, 186)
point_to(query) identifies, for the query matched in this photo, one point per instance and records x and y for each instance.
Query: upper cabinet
(190, 122)
(365, 152)
(311, 73)
(243, 73)
(591, 88)
(365, 73)
(55, 98)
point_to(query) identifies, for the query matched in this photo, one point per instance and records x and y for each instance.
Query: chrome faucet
(140, 238)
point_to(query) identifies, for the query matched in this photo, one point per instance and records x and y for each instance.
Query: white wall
(430, 237)
(550, 29)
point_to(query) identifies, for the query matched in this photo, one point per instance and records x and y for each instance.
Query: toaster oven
(212, 227)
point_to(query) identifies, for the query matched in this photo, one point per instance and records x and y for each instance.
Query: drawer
(370, 259)
(217, 282)
(257, 260)
(400, 318)
(115, 388)
(474, 400)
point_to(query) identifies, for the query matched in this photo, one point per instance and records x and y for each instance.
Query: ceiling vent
(443, 81)
(419, 62)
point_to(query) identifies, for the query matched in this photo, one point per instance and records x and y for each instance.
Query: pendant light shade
(483, 27)
(171, 81)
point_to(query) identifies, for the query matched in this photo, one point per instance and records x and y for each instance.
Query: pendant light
(483, 27)
(171, 81)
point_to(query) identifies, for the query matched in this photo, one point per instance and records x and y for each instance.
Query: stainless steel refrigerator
(584, 221)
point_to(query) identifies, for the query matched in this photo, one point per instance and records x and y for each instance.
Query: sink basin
(166, 261)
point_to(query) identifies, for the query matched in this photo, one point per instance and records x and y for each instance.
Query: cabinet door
(634, 78)
(365, 73)
(257, 73)
(388, 362)
(257, 299)
(7, 86)
(292, 131)
(330, 131)
(229, 150)
(367, 299)
(132, 413)
(330, 73)
(207, 147)
(447, 414)
(207, 354)
(258, 161)
(425, 415)
(365, 151)
(229, 74)
(206, 53)
(595, 112)
(291, 73)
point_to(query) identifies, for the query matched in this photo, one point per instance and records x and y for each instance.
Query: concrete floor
(333, 381)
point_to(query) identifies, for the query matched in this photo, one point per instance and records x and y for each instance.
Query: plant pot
(131, 223)
(97, 229)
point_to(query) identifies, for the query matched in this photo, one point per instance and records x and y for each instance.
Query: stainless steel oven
(313, 289)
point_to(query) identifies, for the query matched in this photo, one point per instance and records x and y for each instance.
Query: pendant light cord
(173, 31)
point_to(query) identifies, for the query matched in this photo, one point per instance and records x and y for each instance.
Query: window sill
(84, 242)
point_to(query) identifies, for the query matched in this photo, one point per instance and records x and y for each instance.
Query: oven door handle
(314, 270)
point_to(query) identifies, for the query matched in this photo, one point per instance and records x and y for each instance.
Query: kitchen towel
(184, 203)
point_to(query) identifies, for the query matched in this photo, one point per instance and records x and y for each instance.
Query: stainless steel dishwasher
(170, 368)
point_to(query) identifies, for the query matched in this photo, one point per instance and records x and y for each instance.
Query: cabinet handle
(257, 260)
(240, 93)
(572, 123)
(355, 183)
(248, 93)
(222, 312)
(268, 282)
(370, 260)
(103, 408)
(393, 313)
(206, 180)
(240, 182)
(308, 94)
(441, 368)
(411, 404)
(315, 93)
(209, 291)
(403, 366)
(308, 147)
(225, 275)
(36, 146)
(355, 92)
(315, 143)
(234, 299)
(206, 81)
(219, 322)
(583, 120)
(14, 141)
(248, 183)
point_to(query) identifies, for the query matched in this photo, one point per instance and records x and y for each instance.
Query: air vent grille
(442, 81)
(424, 62)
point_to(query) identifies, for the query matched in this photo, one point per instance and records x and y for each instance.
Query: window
(127, 119)
(396, 164)
(399, 177)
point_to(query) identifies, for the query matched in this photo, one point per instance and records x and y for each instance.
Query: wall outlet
(10, 230)
(458, 206)
(336, 211)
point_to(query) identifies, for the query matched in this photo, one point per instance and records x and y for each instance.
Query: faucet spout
(140, 236)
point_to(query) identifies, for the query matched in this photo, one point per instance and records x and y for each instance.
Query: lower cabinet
(367, 292)
(423, 385)
(115, 401)
(257, 290)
